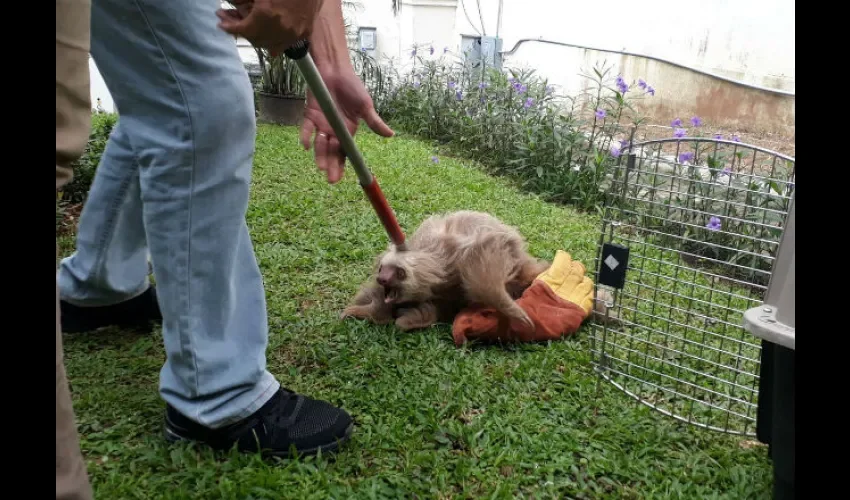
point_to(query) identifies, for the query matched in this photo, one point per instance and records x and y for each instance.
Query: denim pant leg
(110, 264)
(186, 112)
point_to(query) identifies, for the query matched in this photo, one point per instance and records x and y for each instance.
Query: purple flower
(528, 103)
(522, 89)
(445, 50)
(452, 85)
(676, 123)
(600, 113)
(459, 95)
(680, 132)
(686, 157)
(696, 121)
(641, 83)
(483, 85)
(624, 143)
(718, 136)
(622, 86)
(736, 138)
(650, 90)
(549, 89)
(435, 159)
(413, 53)
(713, 224)
(363, 50)
(416, 84)
(431, 50)
(483, 99)
(615, 151)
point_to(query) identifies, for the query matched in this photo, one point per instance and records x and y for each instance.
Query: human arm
(270, 24)
(329, 50)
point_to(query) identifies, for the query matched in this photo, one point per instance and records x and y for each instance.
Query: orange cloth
(553, 318)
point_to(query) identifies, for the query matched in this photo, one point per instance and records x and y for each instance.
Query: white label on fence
(611, 262)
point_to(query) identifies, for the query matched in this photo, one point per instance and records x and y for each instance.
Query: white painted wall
(748, 40)
(99, 90)
(421, 23)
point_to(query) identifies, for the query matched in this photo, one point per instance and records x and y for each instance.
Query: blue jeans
(174, 181)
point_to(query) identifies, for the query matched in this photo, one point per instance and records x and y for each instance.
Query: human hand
(270, 24)
(353, 102)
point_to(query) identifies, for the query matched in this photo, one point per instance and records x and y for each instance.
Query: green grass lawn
(435, 421)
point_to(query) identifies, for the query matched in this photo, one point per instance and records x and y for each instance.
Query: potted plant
(282, 90)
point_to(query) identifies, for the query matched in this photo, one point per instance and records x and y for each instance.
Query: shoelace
(282, 414)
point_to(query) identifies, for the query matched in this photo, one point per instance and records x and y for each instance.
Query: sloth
(450, 262)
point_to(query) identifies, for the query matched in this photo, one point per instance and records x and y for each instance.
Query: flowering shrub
(515, 123)
(723, 202)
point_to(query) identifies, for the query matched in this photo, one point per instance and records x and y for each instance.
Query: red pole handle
(299, 52)
(385, 213)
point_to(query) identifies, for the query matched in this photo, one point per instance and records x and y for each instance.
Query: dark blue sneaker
(289, 424)
(137, 312)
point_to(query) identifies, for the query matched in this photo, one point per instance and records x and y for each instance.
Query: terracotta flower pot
(280, 109)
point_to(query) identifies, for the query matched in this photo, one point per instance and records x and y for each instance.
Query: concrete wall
(681, 92)
(421, 23)
(719, 102)
(99, 90)
(748, 41)
(732, 45)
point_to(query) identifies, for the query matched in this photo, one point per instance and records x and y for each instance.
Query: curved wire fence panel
(702, 219)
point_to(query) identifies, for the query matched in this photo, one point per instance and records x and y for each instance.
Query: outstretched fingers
(320, 151)
(307, 129)
(335, 160)
(374, 121)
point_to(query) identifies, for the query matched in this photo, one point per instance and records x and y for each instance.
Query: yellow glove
(567, 279)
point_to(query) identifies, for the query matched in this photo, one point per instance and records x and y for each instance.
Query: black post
(776, 415)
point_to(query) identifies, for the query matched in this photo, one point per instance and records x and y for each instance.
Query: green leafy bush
(75, 192)
(279, 75)
(720, 202)
(84, 168)
(515, 123)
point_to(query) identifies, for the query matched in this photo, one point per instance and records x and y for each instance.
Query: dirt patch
(470, 415)
(775, 142)
(67, 216)
(748, 444)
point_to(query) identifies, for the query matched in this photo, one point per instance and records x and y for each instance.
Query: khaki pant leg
(73, 122)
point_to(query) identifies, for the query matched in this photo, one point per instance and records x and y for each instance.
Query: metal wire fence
(702, 220)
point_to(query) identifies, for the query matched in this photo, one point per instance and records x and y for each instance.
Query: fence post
(774, 323)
